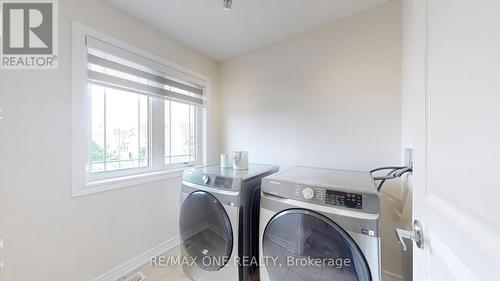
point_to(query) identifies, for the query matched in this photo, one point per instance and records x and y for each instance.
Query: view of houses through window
(120, 130)
(120, 124)
(129, 102)
(180, 132)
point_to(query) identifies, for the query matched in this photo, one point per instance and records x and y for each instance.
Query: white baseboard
(136, 262)
(389, 276)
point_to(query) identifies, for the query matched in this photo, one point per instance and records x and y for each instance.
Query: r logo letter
(16, 28)
(35, 21)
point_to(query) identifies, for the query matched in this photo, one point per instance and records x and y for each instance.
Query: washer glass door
(310, 247)
(206, 233)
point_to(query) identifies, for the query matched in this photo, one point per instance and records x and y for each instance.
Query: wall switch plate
(409, 157)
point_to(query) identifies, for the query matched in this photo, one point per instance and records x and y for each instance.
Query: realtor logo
(29, 34)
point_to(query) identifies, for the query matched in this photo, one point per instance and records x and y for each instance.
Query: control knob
(308, 193)
(205, 179)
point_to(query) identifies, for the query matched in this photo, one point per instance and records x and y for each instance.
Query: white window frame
(83, 182)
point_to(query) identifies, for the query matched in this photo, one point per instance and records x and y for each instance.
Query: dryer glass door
(206, 233)
(311, 247)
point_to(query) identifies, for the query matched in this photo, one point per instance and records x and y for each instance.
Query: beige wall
(49, 235)
(330, 97)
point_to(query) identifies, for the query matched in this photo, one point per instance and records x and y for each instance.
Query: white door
(451, 86)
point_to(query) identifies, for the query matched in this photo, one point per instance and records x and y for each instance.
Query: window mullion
(157, 134)
(189, 134)
(170, 132)
(138, 131)
(105, 133)
(202, 146)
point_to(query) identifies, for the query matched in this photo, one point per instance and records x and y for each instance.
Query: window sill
(125, 181)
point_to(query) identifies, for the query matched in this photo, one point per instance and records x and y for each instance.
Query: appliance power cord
(395, 172)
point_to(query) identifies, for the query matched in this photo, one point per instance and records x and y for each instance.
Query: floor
(161, 273)
(169, 273)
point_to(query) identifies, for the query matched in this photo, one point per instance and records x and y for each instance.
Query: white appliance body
(305, 222)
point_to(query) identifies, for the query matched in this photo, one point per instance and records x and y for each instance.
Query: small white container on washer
(226, 160)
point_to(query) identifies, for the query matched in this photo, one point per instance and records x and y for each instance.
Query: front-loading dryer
(219, 222)
(319, 224)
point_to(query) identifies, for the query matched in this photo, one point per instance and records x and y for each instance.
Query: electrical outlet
(409, 157)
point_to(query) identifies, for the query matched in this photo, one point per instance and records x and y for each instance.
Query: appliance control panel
(222, 182)
(329, 197)
(344, 199)
(213, 180)
(314, 194)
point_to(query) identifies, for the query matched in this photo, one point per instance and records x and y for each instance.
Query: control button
(308, 193)
(205, 179)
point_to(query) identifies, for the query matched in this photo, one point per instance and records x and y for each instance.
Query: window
(144, 116)
(120, 130)
(180, 132)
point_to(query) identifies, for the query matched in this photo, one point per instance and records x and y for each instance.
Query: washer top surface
(254, 170)
(338, 179)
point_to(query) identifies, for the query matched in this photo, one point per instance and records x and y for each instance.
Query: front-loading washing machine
(319, 224)
(219, 222)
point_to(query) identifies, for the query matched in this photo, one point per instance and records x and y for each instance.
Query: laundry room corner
(337, 75)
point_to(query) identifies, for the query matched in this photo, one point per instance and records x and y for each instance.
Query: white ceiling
(220, 34)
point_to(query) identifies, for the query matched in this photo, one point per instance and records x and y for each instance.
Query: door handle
(416, 235)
